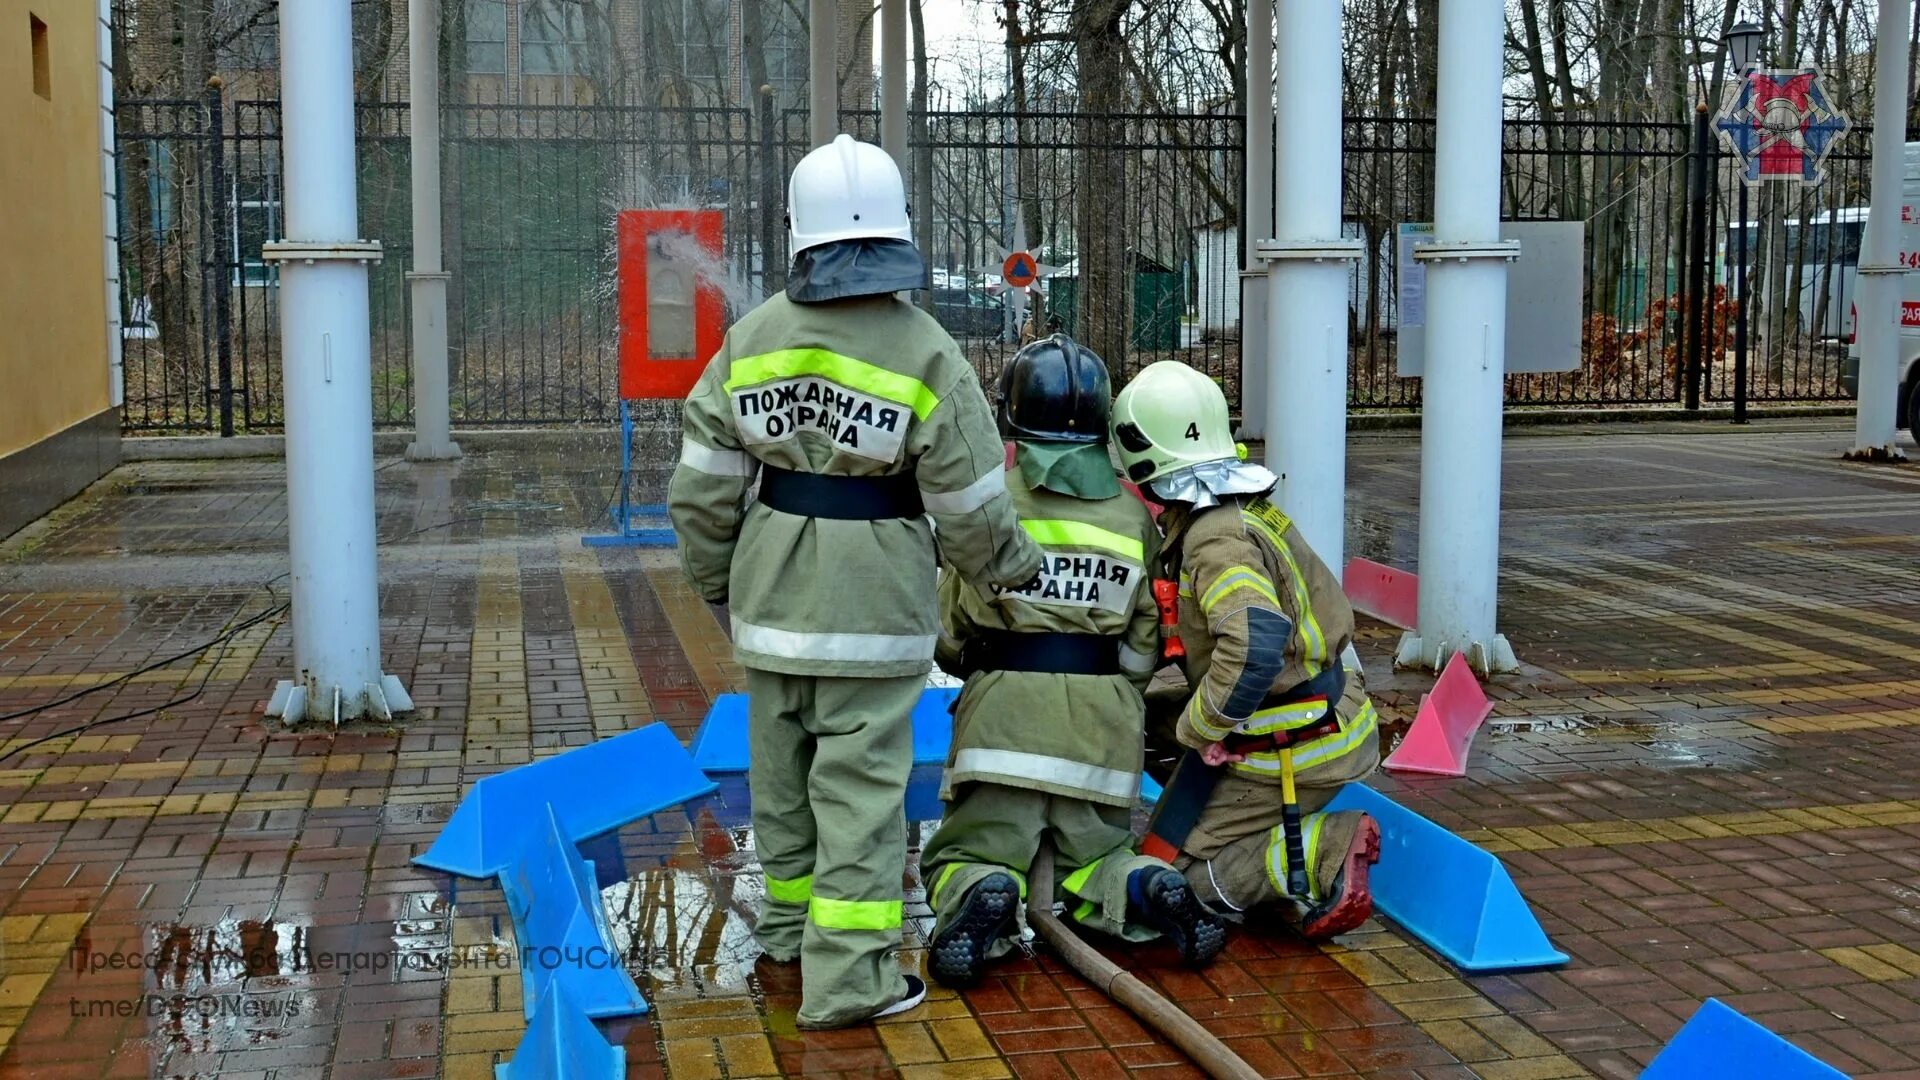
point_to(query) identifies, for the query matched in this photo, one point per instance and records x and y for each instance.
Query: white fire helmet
(1169, 417)
(846, 190)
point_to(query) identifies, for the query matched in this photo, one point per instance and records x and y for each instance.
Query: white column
(1460, 413)
(893, 82)
(328, 385)
(1257, 164)
(1306, 392)
(1876, 416)
(823, 70)
(432, 425)
(110, 208)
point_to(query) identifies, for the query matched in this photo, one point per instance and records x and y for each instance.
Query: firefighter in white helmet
(866, 428)
(1275, 717)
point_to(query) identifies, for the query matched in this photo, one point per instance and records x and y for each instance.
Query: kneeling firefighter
(1049, 729)
(861, 420)
(1275, 717)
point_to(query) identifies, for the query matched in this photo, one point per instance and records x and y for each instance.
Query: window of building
(256, 221)
(487, 36)
(703, 38)
(786, 54)
(560, 37)
(42, 59)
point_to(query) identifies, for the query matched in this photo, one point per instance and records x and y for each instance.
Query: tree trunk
(920, 136)
(1105, 293)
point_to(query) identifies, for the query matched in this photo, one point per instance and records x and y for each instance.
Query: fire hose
(1207, 1051)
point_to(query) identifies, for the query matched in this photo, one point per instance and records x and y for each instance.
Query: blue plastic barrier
(1717, 1043)
(720, 746)
(1447, 892)
(562, 1044)
(561, 929)
(593, 789)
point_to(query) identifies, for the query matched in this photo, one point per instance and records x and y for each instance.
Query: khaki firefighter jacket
(861, 387)
(1074, 735)
(1259, 615)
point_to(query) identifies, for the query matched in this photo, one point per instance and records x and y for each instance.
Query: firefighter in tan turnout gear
(861, 420)
(1049, 730)
(1275, 717)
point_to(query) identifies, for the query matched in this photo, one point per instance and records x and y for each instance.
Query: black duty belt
(1191, 785)
(842, 498)
(1059, 654)
(1330, 685)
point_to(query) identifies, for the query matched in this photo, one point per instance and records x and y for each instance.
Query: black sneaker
(916, 993)
(1169, 906)
(986, 915)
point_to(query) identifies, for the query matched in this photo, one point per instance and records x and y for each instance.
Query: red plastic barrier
(1387, 594)
(1443, 729)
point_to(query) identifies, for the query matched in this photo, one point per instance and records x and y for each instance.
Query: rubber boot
(986, 915)
(1157, 896)
(1350, 902)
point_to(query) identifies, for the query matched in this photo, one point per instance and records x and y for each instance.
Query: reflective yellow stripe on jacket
(846, 370)
(1061, 533)
(1238, 579)
(1316, 640)
(1350, 737)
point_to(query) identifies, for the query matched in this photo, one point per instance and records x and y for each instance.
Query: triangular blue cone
(561, 1043)
(562, 932)
(593, 789)
(720, 746)
(1448, 892)
(1717, 1043)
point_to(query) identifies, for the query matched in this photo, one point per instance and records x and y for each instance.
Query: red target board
(1020, 270)
(671, 320)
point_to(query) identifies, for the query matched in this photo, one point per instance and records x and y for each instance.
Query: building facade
(59, 427)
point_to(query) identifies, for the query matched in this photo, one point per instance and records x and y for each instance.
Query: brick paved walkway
(1703, 781)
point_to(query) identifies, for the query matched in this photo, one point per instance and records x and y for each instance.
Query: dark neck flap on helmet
(848, 268)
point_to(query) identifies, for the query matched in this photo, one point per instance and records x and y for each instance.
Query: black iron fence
(1138, 215)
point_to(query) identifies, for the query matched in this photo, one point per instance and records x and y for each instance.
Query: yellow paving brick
(1514, 1037)
(19, 991)
(467, 1066)
(1864, 963)
(1552, 1067)
(469, 1023)
(17, 928)
(1462, 1041)
(693, 1059)
(707, 1027)
(502, 1039)
(469, 995)
(992, 1069)
(1369, 969)
(961, 1038)
(689, 1008)
(1415, 965)
(1457, 1008)
(1402, 993)
(1898, 955)
(909, 1044)
(24, 813)
(748, 1055)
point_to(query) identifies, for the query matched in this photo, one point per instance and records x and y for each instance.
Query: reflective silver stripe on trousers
(1073, 774)
(796, 645)
(969, 498)
(1136, 662)
(716, 462)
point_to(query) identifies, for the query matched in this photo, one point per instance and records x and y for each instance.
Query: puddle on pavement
(1676, 742)
(209, 988)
